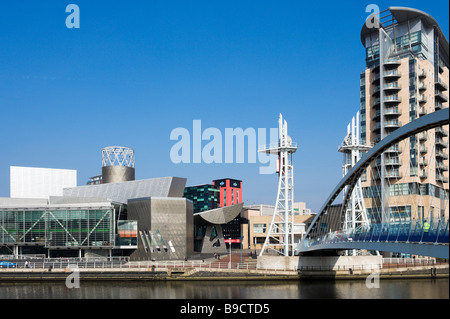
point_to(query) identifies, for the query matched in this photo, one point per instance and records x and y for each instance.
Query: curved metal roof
(402, 14)
(218, 216)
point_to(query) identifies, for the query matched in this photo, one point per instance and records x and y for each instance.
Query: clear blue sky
(136, 70)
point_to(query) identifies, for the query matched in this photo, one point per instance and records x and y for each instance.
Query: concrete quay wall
(332, 263)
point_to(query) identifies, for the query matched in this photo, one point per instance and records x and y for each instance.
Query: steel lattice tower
(354, 211)
(280, 236)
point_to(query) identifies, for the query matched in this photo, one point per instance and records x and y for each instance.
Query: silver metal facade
(213, 240)
(165, 228)
(117, 174)
(122, 192)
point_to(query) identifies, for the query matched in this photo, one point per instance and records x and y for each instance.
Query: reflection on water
(389, 289)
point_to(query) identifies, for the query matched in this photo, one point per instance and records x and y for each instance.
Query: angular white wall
(33, 182)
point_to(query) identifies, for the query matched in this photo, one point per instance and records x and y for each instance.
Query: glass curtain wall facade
(59, 228)
(204, 197)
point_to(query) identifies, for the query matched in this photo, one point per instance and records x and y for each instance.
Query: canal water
(264, 290)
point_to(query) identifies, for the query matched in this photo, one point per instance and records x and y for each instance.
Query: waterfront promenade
(238, 267)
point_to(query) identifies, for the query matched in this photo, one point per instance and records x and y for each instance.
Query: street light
(242, 245)
(229, 264)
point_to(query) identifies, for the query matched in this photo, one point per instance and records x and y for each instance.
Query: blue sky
(136, 70)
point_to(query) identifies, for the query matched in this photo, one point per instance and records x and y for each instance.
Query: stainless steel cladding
(117, 174)
(165, 228)
(117, 164)
(122, 192)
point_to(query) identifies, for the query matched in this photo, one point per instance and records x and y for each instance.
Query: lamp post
(242, 245)
(229, 264)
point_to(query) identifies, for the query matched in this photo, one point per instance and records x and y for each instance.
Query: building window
(420, 212)
(400, 213)
(259, 228)
(224, 197)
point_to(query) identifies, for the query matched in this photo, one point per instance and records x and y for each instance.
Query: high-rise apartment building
(406, 76)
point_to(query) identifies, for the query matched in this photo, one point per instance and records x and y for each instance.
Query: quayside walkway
(236, 262)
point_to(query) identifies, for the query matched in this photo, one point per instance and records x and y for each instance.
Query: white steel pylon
(280, 235)
(354, 215)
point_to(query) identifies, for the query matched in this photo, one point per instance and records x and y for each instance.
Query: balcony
(423, 149)
(440, 96)
(392, 124)
(392, 98)
(376, 90)
(393, 149)
(423, 137)
(442, 167)
(441, 178)
(376, 78)
(376, 140)
(392, 111)
(441, 154)
(376, 127)
(392, 61)
(389, 175)
(392, 173)
(392, 86)
(441, 66)
(392, 74)
(376, 115)
(441, 131)
(422, 98)
(439, 141)
(422, 86)
(423, 162)
(393, 161)
(440, 85)
(423, 174)
(438, 105)
(422, 74)
(376, 102)
(422, 111)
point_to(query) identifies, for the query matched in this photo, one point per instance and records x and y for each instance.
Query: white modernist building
(33, 182)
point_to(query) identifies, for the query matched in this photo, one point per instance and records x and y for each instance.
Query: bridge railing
(388, 196)
(436, 231)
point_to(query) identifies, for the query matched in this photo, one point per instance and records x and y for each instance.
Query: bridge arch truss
(404, 236)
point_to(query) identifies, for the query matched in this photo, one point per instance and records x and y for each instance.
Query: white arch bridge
(410, 217)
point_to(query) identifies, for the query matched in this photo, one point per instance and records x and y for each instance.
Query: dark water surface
(354, 289)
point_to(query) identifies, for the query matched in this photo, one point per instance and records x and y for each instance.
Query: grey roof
(62, 200)
(402, 14)
(22, 202)
(218, 216)
(122, 192)
(53, 202)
